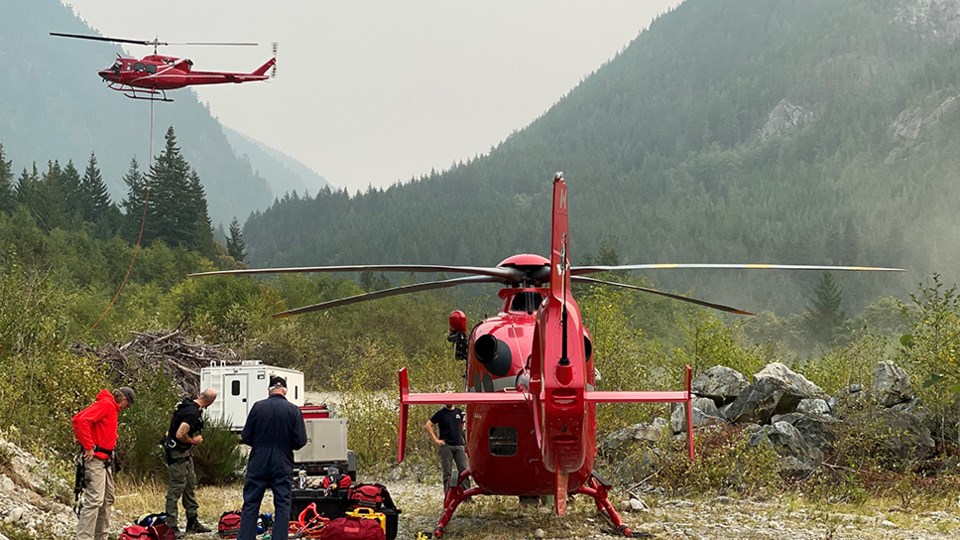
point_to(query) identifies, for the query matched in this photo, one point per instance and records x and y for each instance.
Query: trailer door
(236, 405)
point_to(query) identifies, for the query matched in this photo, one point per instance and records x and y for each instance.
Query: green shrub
(219, 459)
(725, 463)
(143, 425)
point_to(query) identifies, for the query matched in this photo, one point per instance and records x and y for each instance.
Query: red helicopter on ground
(531, 392)
(151, 76)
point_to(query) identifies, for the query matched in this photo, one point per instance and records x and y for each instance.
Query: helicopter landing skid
(132, 92)
(452, 499)
(597, 488)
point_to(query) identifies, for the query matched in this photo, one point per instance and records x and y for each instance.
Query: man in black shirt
(274, 429)
(183, 435)
(450, 422)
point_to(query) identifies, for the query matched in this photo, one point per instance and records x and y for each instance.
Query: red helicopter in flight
(531, 393)
(151, 76)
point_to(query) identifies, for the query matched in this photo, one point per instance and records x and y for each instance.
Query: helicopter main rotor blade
(511, 275)
(428, 286)
(719, 307)
(581, 270)
(109, 39)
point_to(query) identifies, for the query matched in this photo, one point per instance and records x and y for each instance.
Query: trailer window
(235, 388)
(503, 441)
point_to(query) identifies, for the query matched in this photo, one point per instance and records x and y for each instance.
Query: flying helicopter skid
(132, 92)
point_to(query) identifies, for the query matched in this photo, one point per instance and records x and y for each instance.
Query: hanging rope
(143, 222)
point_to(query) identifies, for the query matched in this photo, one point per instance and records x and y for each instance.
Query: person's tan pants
(96, 502)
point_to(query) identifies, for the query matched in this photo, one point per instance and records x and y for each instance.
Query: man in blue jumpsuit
(274, 429)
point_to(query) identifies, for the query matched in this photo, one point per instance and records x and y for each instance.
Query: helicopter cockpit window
(117, 65)
(151, 68)
(138, 66)
(526, 301)
(503, 441)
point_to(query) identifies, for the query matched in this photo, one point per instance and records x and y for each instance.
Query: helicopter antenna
(564, 359)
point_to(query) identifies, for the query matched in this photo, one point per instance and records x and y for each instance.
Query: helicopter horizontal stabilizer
(442, 398)
(683, 396)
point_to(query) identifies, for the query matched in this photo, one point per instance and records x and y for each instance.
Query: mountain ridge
(667, 160)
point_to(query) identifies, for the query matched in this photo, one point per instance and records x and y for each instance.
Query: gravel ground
(715, 518)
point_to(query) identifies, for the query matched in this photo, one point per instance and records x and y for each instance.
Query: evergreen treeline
(728, 132)
(61, 198)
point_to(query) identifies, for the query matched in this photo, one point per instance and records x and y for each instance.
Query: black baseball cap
(277, 381)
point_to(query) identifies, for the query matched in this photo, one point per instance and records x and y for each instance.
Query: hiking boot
(194, 526)
(177, 533)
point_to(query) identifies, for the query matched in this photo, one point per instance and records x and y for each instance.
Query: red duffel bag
(352, 528)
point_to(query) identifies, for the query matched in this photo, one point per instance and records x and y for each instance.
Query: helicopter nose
(104, 74)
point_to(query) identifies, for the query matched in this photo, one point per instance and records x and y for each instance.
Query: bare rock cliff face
(935, 20)
(907, 129)
(785, 118)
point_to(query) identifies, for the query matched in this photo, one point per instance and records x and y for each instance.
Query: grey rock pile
(783, 409)
(29, 493)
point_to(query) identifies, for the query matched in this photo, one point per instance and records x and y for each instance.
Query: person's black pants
(253, 491)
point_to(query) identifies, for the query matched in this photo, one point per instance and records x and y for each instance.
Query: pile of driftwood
(169, 352)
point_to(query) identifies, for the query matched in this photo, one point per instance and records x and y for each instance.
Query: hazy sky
(371, 92)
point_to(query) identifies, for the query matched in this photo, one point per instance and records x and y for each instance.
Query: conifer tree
(28, 187)
(203, 229)
(825, 315)
(137, 194)
(48, 203)
(96, 199)
(171, 208)
(7, 195)
(73, 200)
(235, 246)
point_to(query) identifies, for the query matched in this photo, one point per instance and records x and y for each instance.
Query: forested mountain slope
(285, 173)
(746, 131)
(54, 106)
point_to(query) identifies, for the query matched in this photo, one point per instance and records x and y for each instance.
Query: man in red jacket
(96, 430)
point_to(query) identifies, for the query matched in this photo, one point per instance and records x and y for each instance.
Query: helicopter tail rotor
(273, 72)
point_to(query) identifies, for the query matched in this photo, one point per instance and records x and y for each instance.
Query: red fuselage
(159, 72)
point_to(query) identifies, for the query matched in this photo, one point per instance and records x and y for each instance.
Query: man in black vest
(274, 429)
(183, 435)
(450, 421)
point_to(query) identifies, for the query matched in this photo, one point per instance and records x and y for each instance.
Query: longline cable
(143, 221)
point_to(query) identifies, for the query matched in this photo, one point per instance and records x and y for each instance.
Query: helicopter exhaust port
(494, 354)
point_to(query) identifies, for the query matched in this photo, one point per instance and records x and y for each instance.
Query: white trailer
(240, 386)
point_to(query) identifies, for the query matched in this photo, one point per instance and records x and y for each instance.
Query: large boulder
(891, 385)
(798, 456)
(720, 383)
(624, 442)
(817, 429)
(797, 384)
(776, 390)
(705, 413)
